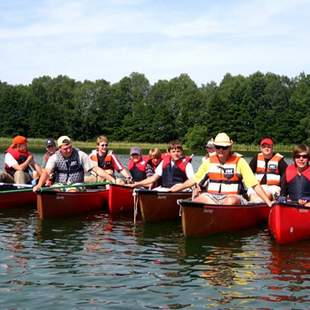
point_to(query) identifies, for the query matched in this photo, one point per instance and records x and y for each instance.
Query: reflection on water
(102, 262)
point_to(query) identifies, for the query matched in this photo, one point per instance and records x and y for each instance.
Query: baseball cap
(135, 150)
(50, 141)
(19, 140)
(63, 140)
(267, 141)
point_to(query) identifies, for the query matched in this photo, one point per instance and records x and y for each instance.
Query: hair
(266, 137)
(176, 144)
(155, 153)
(102, 139)
(301, 148)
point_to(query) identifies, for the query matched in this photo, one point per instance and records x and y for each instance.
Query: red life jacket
(174, 174)
(19, 156)
(137, 170)
(298, 185)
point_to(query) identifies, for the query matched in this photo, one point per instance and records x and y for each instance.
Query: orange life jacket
(271, 171)
(104, 162)
(224, 178)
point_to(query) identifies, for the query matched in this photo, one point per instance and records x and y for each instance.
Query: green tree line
(134, 110)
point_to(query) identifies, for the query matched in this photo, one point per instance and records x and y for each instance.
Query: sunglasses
(301, 156)
(104, 144)
(219, 147)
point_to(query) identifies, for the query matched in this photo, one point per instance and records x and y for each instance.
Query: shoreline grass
(38, 144)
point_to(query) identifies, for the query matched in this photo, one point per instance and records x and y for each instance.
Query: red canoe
(53, 204)
(200, 219)
(289, 222)
(120, 199)
(22, 198)
(156, 206)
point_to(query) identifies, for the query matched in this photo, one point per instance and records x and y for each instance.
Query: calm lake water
(99, 262)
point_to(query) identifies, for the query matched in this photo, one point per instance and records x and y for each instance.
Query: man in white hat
(69, 165)
(223, 175)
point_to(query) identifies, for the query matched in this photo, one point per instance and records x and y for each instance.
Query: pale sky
(100, 39)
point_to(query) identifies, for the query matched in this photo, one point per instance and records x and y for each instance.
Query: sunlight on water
(100, 262)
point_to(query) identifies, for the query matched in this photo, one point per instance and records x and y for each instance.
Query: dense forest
(133, 110)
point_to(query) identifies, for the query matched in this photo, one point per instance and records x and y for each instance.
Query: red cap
(267, 141)
(19, 140)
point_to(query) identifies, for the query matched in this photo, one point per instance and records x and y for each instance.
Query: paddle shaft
(16, 185)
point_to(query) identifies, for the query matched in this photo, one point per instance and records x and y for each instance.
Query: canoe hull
(289, 223)
(205, 219)
(23, 199)
(120, 199)
(159, 206)
(67, 204)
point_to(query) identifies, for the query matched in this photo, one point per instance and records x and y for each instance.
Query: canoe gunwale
(142, 191)
(188, 203)
(291, 205)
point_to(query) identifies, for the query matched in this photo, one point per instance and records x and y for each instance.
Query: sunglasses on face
(104, 145)
(220, 147)
(301, 156)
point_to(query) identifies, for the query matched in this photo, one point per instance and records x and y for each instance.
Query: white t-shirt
(188, 169)
(84, 159)
(9, 160)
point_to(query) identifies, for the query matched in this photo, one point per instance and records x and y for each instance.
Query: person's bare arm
(100, 172)
(261, 193)
(179, 187)
(146, 181)
(43, 178)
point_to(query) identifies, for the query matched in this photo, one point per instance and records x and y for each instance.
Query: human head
(175, 149)
(19, 142)
(135, 154)
(102, 144)
(210, 147)
(301, 154)
(51, 146)
(222, 144)
(266, 146)
(155, 155)
(65, 146)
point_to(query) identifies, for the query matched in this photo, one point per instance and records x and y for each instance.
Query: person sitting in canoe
(51, 149)
(19, 164)
(69, 165)
(210, 150)
(175, 168)
(269, 168)
(223, 174)
(155, 157)
(107, 160)
(137, 164)
(295, 185)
